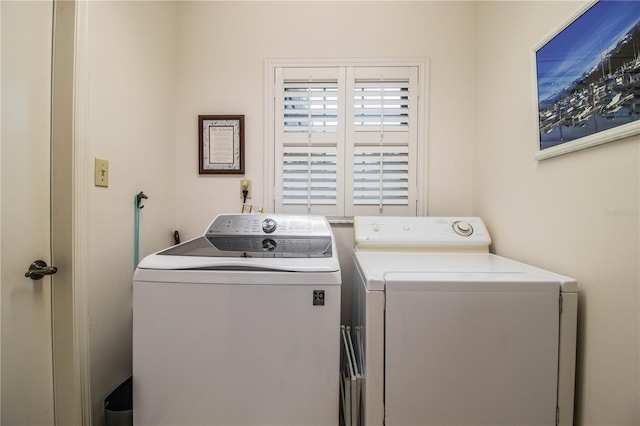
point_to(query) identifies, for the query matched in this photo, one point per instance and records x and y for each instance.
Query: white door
(26, 369)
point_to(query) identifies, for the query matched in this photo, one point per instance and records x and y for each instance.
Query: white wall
(553, 213)
(131, 123)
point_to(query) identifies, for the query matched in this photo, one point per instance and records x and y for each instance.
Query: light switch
(101, 172)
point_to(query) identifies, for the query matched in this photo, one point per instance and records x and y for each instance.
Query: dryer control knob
(462, 228)
(269, 225)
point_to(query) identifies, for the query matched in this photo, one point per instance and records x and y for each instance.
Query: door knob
(38, 269)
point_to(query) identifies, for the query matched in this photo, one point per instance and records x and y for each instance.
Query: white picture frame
(587, 79)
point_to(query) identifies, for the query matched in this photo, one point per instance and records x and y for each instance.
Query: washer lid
(253, 246)
(247, 264)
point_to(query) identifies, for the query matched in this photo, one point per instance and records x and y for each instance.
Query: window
(343, 140)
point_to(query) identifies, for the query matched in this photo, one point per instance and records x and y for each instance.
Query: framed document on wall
(221, 144)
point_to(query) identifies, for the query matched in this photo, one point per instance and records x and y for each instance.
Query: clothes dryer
(454, 335)
(239, 326)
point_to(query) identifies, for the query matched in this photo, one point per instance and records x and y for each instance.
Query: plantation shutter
(382, 129)
(309, 141)
(346, 140)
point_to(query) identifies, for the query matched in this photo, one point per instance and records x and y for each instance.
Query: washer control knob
(269, 245)
(462, 228)
(269, 225)
(375, 227)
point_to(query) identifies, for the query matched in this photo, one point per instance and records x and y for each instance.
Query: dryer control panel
(433, 234)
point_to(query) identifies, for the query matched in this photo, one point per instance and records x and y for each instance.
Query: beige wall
(131, 112)
(553, 213)
(156, 65)
(221, 53)
(221, 56)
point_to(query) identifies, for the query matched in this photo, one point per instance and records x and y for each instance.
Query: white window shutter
(346, 139)
(309, 139)
(381, 161)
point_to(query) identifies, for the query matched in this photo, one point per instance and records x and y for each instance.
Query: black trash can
(118, 406)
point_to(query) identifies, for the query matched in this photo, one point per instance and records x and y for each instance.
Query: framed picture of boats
(587, 79)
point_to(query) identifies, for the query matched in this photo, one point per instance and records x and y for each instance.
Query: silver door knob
(38, 269)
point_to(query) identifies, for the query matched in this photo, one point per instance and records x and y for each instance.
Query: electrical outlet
(245, 184)
(101, 172)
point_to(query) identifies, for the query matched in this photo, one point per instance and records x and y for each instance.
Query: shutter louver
(310, 107)
(381, 175)
(381, 106)
(309, 176)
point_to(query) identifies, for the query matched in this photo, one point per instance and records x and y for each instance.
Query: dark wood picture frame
(221, 143)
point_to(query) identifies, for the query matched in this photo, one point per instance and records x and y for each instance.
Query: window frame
(421, 161)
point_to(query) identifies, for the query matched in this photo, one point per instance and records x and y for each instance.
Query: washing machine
(240, 326)
(450, 334)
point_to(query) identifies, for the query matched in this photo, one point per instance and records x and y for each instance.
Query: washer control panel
(269, 224)
(466, 234)
(260, 235)
(250, 235)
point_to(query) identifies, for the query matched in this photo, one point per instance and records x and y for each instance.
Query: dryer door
(471, 349)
